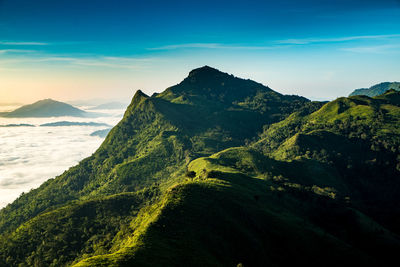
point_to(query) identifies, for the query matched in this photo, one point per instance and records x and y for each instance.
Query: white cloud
(302, 41)
(214, 46)
(31, 155)
(98, 61)
(22, 43)
(377, 49)
(276, 44)
(4, 51)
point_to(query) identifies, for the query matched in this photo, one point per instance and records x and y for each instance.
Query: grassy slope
(359, 137)
(223, 217)
(63, 235)
(151, 146)
(314, 185)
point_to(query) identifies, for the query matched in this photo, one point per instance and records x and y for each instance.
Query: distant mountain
(110, 105)
(73, 123)
(377, 89)
(45, 108)
(101, 133)
(18, 125)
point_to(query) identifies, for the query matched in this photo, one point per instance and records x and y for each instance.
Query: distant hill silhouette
(18, 125)
(72, 123)
(377, 89)
(101, 133)
(110, 105)
(45, 108)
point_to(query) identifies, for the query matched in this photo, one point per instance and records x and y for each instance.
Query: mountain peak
(47, 100)
(139, 93)
(138, 98)
(207, 84)
(205, 70)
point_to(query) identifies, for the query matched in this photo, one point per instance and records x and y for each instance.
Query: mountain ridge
(377, 89)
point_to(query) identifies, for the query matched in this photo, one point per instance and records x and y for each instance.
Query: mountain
(222, 171)
(356, 142)
(101, 133)
(45, 108)
(18, 125)
(377, 89)
(320, 184)
(110, 105)
(73, 123)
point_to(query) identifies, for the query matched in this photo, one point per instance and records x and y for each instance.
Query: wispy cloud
(278, 44)
(22, 43)
(214, 46)
(4, 51)
(95, 61)
(377, 49)
(108, 62)
(303, 41)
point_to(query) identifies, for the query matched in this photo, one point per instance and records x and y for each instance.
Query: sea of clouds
(31, 155)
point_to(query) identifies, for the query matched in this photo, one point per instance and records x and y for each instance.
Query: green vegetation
(221, 171)
(377, 89)
(358, 138)
(74, 231)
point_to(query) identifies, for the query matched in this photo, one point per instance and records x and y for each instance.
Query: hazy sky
(77, 49)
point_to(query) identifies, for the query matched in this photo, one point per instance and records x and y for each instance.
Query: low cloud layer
(31, 155)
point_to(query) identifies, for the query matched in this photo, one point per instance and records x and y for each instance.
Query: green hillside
(253, 205)
(377, 89)
(358, 137)
(222, 171)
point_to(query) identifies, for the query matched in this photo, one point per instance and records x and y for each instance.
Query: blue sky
(108, 49)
